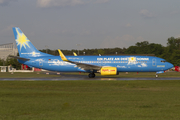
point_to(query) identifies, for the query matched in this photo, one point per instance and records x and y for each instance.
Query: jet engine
(109, 71)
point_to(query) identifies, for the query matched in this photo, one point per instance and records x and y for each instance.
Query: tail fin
(24, 45)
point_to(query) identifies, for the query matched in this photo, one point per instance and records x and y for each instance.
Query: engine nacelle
(109, 71)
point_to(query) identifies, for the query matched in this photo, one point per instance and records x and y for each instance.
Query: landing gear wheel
(156, 76)
(91, 75)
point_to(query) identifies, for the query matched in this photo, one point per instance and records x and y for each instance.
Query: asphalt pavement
(84, 77)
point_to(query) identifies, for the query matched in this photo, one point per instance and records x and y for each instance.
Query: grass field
(87, 100)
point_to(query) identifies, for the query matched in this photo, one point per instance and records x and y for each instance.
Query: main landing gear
(91, 75)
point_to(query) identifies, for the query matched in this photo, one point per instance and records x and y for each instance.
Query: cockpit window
(163, 61)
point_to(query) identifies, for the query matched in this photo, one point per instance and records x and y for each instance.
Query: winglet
(62, 55)
(74, 54)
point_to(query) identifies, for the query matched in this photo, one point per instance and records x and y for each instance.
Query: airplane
(105, 65)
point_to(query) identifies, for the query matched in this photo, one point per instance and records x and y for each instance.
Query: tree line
(170, 53)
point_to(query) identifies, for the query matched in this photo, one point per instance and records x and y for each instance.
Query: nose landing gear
(156, 76)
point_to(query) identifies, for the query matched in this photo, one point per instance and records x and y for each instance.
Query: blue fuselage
(123, 63)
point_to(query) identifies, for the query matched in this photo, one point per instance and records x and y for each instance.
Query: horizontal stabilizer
(17, 57)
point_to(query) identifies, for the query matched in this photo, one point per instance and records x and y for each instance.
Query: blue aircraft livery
(105, 65)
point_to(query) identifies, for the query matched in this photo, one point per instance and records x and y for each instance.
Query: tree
(1, 62)
(142, 44)
(156, 49)
(131, 50)
(13, 62)
(100, 51)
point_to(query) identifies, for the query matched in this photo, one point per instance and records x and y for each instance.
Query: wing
(80, 65)
(20, 58)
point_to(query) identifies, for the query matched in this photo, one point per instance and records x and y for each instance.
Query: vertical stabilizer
(24, 45)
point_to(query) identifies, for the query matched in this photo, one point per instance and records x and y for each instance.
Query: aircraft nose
(170, 65)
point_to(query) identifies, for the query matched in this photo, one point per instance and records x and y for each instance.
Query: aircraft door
(40, 63)
(153, 62)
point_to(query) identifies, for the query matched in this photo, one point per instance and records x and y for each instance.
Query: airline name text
(121, 58)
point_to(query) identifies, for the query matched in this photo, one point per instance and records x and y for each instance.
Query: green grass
(87, 100)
